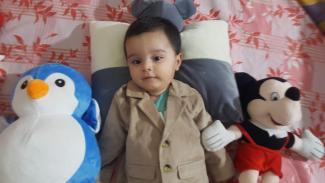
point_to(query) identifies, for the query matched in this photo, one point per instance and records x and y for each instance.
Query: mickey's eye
(275, 96)
(24, 85)
(59, 82)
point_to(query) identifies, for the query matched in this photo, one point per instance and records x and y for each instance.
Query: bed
(267, 38)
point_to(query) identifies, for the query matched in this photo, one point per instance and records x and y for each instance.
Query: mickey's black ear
(243, 80)
(175, 13)
(138, 6)
(186, 8)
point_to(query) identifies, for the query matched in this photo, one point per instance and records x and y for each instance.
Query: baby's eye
(135, 61)
(157, 58)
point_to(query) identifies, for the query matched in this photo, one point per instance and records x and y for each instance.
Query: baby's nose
(147, 66)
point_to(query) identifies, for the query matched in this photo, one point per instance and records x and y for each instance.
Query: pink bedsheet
(268, 38)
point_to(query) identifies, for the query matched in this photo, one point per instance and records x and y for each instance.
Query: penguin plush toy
(271, 106)
(53, 139)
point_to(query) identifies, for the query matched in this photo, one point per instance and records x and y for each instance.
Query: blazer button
(165, 144)
(167, 168)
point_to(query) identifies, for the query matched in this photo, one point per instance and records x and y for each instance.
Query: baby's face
(152, 61)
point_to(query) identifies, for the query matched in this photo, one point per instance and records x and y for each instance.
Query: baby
(154, 123)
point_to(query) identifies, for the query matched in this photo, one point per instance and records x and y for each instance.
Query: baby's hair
(150, 24)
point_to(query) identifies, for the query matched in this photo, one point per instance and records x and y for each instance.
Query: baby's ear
(179, 60)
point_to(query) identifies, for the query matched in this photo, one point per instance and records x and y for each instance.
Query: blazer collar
(175, 105)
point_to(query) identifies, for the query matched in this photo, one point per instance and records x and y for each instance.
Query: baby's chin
(154, 87)
(155, 91)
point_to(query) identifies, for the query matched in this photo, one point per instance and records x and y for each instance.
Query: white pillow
(205, 39)
(107, 44)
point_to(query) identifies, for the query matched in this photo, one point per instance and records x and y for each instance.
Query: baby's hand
(216, 136)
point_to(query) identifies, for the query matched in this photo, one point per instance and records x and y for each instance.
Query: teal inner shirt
(161, 102)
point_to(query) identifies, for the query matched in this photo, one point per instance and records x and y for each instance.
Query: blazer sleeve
(112, 140)
(219, 164)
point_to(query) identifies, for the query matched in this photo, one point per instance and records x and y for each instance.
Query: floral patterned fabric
(268, 38)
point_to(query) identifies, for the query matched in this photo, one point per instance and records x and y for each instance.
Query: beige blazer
(155, 150)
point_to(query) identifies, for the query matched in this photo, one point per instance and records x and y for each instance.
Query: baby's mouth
(149, 77)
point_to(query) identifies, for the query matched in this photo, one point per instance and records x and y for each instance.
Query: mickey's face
(278, 105)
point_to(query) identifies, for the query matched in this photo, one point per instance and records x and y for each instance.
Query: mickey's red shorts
(253, 156)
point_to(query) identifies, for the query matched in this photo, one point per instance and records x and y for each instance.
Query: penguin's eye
(24, 85)
(275, 96)
(59, 82)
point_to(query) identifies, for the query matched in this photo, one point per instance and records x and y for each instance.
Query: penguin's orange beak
(37, 89)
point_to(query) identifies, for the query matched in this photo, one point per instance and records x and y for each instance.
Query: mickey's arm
(216, 136)
(308, 146)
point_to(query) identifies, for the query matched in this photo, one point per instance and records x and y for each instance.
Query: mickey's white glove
(310, 146)
(2, 57)
(216, 136)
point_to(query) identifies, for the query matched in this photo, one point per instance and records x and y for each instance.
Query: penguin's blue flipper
(92, 116)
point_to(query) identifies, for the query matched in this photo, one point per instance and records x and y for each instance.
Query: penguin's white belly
(50, 149)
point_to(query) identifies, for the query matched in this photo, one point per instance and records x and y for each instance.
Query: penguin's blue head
(52, 89)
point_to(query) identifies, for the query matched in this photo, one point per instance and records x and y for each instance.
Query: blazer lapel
(147, 107)
(174, 110)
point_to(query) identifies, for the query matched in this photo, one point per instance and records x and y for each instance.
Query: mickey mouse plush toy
(270, 106)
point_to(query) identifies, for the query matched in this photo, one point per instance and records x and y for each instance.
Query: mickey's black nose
(293, 93)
